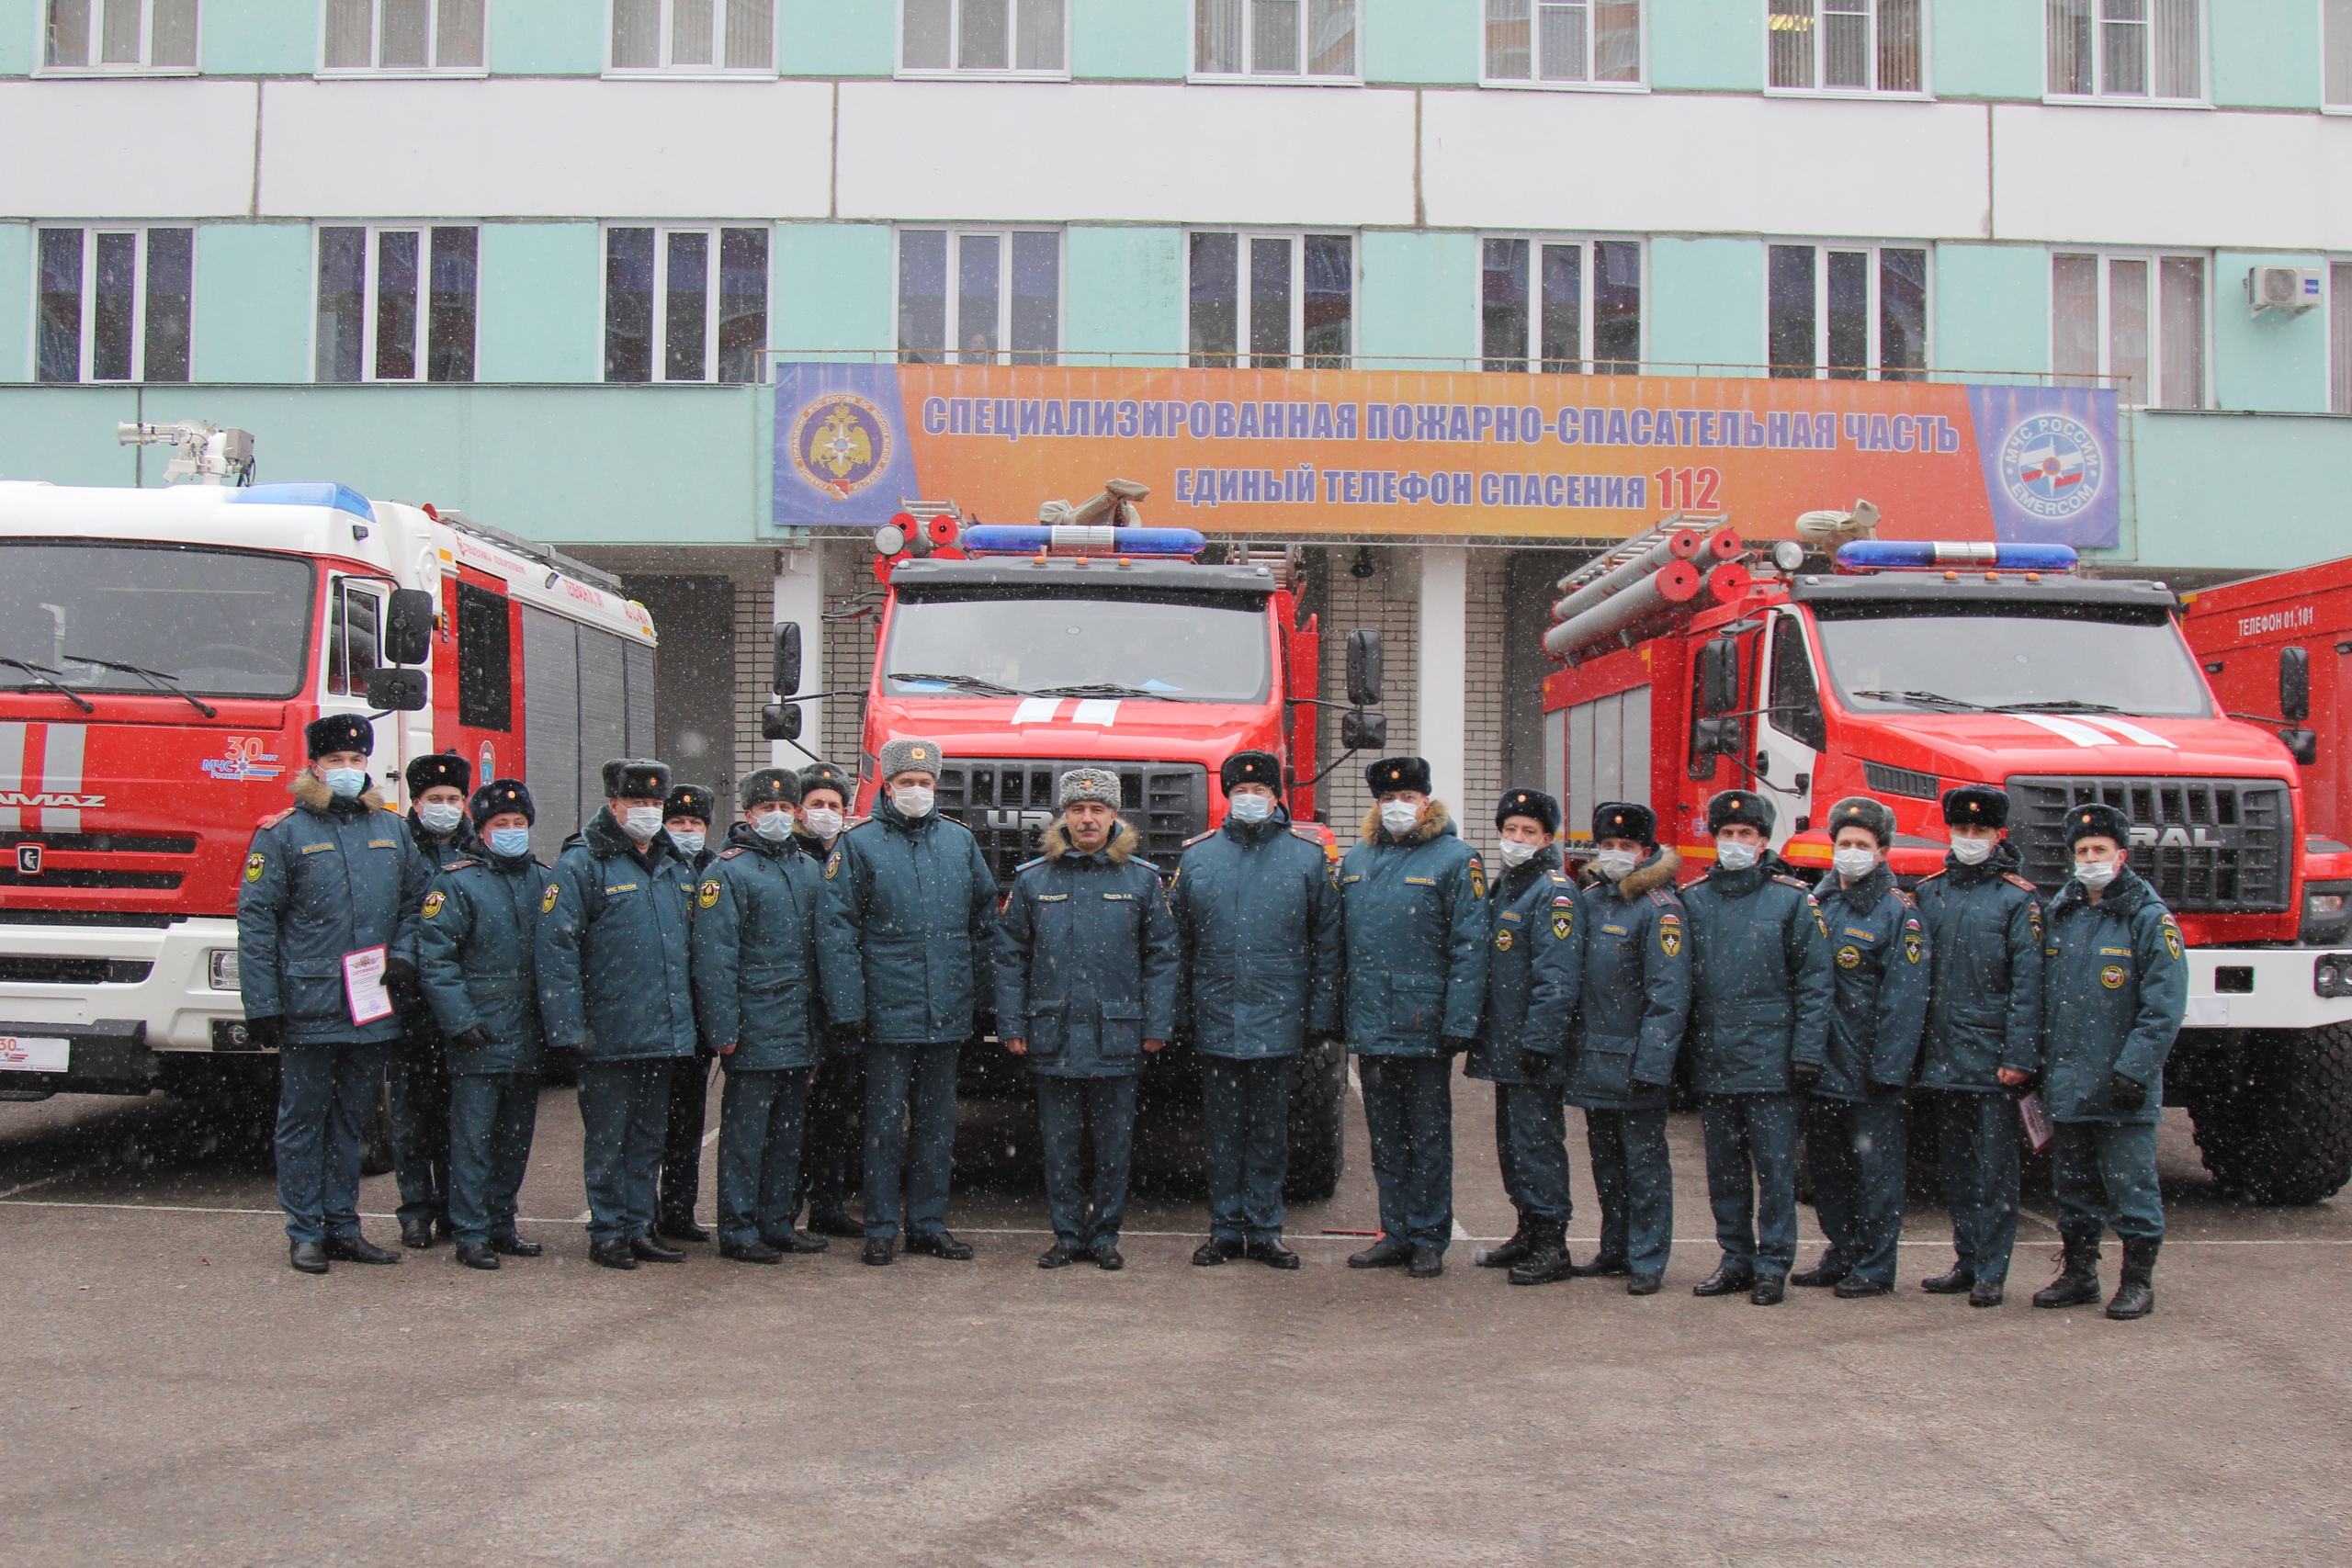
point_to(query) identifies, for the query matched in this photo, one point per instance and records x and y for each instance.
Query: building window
(678, 302)
(698, 37)
(1012, 38)
(2337, 47)
(1847, 46)
(2137, 319)
(1558, 306)
(1271, 301)
(1565, 42)
(115, 36)
(1852, 315)
(396, 304)
(2149, 50)
(1001, 289)
(114, 304)
(1299, 41)
(403, 36)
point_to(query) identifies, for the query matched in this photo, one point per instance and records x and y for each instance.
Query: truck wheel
(2273, 1121)
(1318, 1099)
(376, 1143)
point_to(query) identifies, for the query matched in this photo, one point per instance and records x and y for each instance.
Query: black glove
(849, 1036)
(400, 973)
(1535, 1065)
(1459, 1045)
(266, 1033)
(1805, 1075)
(471, 1039)
(2126, 1094)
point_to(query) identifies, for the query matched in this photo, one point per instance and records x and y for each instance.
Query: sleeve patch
(254, 865)
(1913, 945)
(547, 899)
(1477, 877)
(2172, 938)
(707, 893)
(834, 865)
(433, 902)
(1564, 923)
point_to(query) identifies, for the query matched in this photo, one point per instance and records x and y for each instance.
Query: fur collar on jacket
(1658, 871)
(1125, 842)
(604, 839)
(310, 792)
(1435, 823)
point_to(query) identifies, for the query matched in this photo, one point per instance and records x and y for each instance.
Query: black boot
(612, 1253)
(681, 1227)
(1547, 1257)
(1728, 1280)
(879, 1250)
(359, 1249)
(477, 1255)
(1428, 1263)
(1826, 1272)
(2136, 1296)
(514, 1246)
(939, 1243)
(1512, 1251)
(833, 1221)
(756, 1251)
(1215, 1250)
(1272, 1251)
(307, 1257)
(797, 1241)
(1382, 1254)
(1603, 1267)
(1061, 1254)
(2077, 1282)
(645, 1250)
(416, 1234)
(1960, 1278)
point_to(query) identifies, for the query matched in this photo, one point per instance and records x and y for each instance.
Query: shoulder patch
(1925, 880)
(731, 850)
(1798, 882)
(1198, 836)
(2014, 880)
(460, 865)
(1909, 902)
(273, 820)
(1147, 865)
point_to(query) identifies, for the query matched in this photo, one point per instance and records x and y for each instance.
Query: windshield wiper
(153, 677)
(49, 678)
(2062, 706)
(1106, 689)
(972, 683)
(1926, 699)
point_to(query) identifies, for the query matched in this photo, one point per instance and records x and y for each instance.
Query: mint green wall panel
(1706, 303)
(2265, 53)
(1985, 49)
(65, 436)
(20, 36)
(2274, 362)
(252, 302)
(831, 289)
(1130, 40)
(542, 308)
(1992, 307)
(16, 301)
(546, 38)
(1123, 294)
(1707, 45)
(838, 38)
(1417, 301)
(258, 38)
(1422, 40)
(2248, 492)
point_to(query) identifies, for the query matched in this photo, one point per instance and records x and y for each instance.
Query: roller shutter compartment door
(551, 728)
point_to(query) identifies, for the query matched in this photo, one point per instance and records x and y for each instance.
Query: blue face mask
(508, 842)
(1251, 807)
(346, 782)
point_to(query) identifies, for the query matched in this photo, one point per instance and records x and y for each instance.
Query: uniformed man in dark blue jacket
(1760, 1020)
(419, 1069)
(613, 985)
(1414, 901)
(686, 815)
(1257, 905)
(476, 943)
(1636, 1004)
(755, 972)
(2114, 988)
(1534, 975)
(326, 922)
(906, 948)
(1984, 1036)
(1086, 978)
(1857, 1119)
(832, 1162)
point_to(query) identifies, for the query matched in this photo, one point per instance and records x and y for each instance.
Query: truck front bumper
(104, 985)
(2268, 988)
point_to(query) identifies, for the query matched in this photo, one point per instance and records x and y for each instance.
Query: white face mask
(823, 823)
(642, 822)
(346, 782)
(1616, 865)
(2096, 874)
(913, 802)
(441, 818)
(1250, 808)
(688, 841)
(1972, 851)
(1734, 855)
(1515, 853)
(1854, 865)
(1399, 816)
(773, 825)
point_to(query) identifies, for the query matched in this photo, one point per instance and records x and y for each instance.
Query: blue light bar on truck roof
(1029, 539)
(1944, 555)
(337, 496)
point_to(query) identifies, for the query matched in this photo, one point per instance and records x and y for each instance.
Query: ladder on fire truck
(1617, 554)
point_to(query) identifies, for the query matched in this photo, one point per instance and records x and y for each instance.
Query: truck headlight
(2332, 974)
(221, 964)
(2324, 904)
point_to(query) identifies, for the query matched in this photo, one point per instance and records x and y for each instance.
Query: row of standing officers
(854, 962)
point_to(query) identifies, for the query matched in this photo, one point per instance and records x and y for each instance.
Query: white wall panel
(1020, 153)
(546, 148)
(127, 148)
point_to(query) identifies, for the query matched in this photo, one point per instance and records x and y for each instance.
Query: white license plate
(32, 1053)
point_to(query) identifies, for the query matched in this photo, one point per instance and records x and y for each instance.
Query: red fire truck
(159, 652)
(1909, 667)
(1026, 651)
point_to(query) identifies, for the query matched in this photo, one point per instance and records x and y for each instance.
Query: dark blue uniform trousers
(831, 1162)
(1634, 1178)
(492, 1118)
(762, 1117)
(2105, 1174)
(421, 1130)
(1408, 1111)
(1068, 1110)
(325, 1096)
(1858, 1150)
(1531, 1142)
(1245, 1118)
(1752, 1177)
(682, 1120)
(910, 1136)
(624, 1107)
(1977, 1138)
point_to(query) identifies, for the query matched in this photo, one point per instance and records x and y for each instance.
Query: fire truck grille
(81, 876)
(1010, 804)
(73, 971)
(2211, 846)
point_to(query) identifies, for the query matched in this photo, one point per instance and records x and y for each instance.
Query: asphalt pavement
(180, 1397)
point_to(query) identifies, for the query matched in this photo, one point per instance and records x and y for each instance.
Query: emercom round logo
(840, 443)
(2052, 466)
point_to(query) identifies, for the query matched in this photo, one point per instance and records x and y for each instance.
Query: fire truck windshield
(1176, 647)
(90, 617)
(1942, 660)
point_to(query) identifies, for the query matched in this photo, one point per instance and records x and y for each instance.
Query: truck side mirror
(2294, 684)
(1714, 737)
(397, 690)
(1719, 676)
(1361, 731)
(1364, 668)
(780, 721)
(787, 659)
(408, 628)
(2302, 744)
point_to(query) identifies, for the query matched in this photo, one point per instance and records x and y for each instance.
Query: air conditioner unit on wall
(2293, 289)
